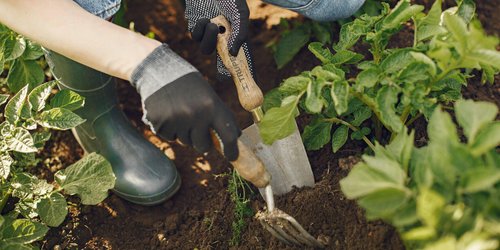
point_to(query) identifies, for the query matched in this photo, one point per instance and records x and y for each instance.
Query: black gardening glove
(179, 104)
(199, 13)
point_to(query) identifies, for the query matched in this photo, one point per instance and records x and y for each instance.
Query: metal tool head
(286, 159)
(283, 226)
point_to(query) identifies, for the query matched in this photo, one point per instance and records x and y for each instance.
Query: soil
(200, 215)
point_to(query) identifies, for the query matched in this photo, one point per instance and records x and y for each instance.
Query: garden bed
(201, 213)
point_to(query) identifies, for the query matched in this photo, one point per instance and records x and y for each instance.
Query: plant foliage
(441, 196)
(392, 86)
(25, 120)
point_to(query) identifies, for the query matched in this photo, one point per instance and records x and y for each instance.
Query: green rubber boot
(144, 175)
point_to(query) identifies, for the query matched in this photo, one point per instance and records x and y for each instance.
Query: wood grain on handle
(248, 165)
(249, 93)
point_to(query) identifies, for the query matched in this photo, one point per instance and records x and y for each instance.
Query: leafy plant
(27, 118)
(393, 87)
(25, 122)
(20, 56)
(441, 196)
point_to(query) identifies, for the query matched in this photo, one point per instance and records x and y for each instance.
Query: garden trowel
(286, 159)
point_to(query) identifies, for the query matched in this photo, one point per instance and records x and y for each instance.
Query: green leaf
(420, 169)
(473, 116)
(90, 178)
(322, 32)
(345, 57)
(480, 179)
(487, 139)
(14, 48)
(279, 123)
(415, 72)
(24, 231)
(397, 61)
(52, 209)
(25, 186)
(340, 96)
(14, 246)
(429, 207)
(21, 141)
(316, 134)
(40, 138)
(314, 102)
(401, 13)
(39, 95)
(387, 97)
(383, 203)
(420, 57)
(360, 115)
(290, 44)
(327, 73)
(364, 180)
(391, 169)
(401, 147)
(420, 234)
(59, 118)
(485, 56)
(441, 128)
(367, 78)
(33, 51)
(6, 161)
(294, 85)
(272, 99)
(458, 29)
(339, 137)
(323, 54)
(3, 98)
(24, 72)
(466, 10)
(67, 99)
(429, 26)
(14, 106)
(349, 35)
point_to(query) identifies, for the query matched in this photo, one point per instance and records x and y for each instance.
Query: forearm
(64, 27)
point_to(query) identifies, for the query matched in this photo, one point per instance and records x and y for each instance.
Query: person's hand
(199, 13)
(179, 104)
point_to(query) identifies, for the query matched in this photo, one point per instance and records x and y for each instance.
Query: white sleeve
(66, 28)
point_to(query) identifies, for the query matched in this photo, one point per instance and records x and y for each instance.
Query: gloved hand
(179, 104)
(199, 12)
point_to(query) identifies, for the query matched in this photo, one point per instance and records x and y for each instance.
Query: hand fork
(248, 165)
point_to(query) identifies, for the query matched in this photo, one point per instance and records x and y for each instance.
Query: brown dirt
(200, 215)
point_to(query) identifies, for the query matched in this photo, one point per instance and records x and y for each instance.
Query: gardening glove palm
(199, 13)
(179, 104)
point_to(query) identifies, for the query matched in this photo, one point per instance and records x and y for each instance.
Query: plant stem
(353, 128)
(413, 119)
(405, 114)
(4, 199)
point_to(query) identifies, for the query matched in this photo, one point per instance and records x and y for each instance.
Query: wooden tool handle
(249, 93)
(248, 165)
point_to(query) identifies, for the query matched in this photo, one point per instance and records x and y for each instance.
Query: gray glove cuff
(158, 69)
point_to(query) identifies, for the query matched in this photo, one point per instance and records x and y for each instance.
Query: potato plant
(444, 195)
(25, 120)
(393, 87)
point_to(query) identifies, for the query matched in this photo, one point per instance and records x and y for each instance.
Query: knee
(330, 10)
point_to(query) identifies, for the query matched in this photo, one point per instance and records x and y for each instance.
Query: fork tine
(273, 232)
(279, 228)
(298, 232)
